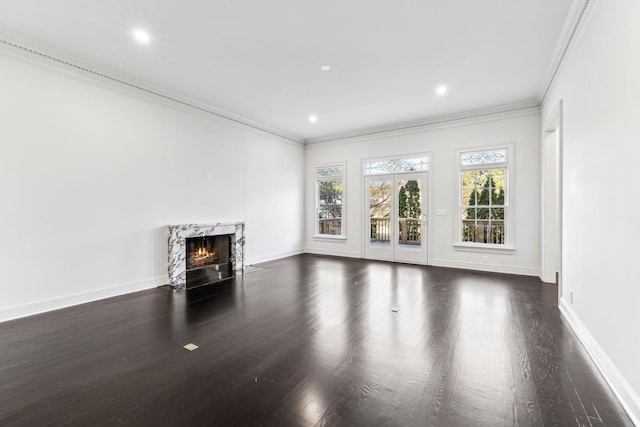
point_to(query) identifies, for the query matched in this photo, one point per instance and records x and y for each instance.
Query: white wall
(441, 144)
(90, 176)
(599, 84)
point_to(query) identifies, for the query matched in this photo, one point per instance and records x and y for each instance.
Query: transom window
(484, 201)
(392, 166)
(330, 200)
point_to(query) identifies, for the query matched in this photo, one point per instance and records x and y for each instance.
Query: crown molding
(78, 68)
(573, 25)
(26, 50)
(449, 120)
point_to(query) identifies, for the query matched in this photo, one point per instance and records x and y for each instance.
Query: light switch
(209, 176)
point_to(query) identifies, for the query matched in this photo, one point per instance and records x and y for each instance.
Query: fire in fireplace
(208, 259)
(200, 252)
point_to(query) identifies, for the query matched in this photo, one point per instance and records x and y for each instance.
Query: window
(484, 200)
(330, 200)
(416, 163)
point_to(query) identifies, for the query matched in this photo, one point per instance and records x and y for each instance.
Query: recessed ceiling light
(325, 68)
(313, 119)
(141, 36)
(441, 90)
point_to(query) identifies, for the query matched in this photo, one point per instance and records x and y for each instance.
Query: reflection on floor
(309, 340)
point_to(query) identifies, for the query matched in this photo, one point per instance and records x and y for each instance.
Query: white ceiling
(261, 59)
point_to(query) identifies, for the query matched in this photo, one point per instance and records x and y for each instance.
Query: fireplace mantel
(178, 234)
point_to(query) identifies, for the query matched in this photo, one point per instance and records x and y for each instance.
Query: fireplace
(202, 254)
(208, 259)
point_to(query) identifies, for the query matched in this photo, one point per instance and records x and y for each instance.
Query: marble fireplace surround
(178, 235)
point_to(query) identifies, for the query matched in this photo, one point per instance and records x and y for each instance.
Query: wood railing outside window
(409, 231)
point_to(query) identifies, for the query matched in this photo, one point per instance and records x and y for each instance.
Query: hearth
(202, 254)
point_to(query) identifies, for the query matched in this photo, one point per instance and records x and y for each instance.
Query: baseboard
(273, 256)
(623, 391)
(38, 307)
(332, 252)
(491, 268)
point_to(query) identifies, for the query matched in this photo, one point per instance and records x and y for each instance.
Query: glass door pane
(411, 210)
(409, 213)
(379, 197)
(396, 218)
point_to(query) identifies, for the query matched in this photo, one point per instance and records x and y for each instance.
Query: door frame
(552, 202)
(426, 223)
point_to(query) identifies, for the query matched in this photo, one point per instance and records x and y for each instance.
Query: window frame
(508, 166)
(341, 177)
(407, 160)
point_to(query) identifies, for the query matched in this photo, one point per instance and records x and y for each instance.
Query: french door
(396, 217)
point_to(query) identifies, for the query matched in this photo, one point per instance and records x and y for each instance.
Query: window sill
(328, 237)
(470, 247)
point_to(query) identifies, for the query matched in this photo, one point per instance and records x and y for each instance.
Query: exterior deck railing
(409, 231)
(483, 231)
(480, 231)
(331, 226)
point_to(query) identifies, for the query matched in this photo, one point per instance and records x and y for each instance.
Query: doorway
(396, 217)
(551, 268)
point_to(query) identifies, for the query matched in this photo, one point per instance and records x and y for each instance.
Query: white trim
(343, 213)
(490, 268)
(327, 237)
(509, 165)
(554, 120)
(17, 47)
(554, 123)
(484, 247)
(451, 120)
(573, 25)
(364, 211)
(628, 398)
(393, 252)
(332, 252)
(273, 256)
(426, 154)
(37, 307)
(423, 154)
(92, 73)
(26, 50)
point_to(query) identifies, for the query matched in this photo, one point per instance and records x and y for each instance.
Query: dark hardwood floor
(306, 341)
